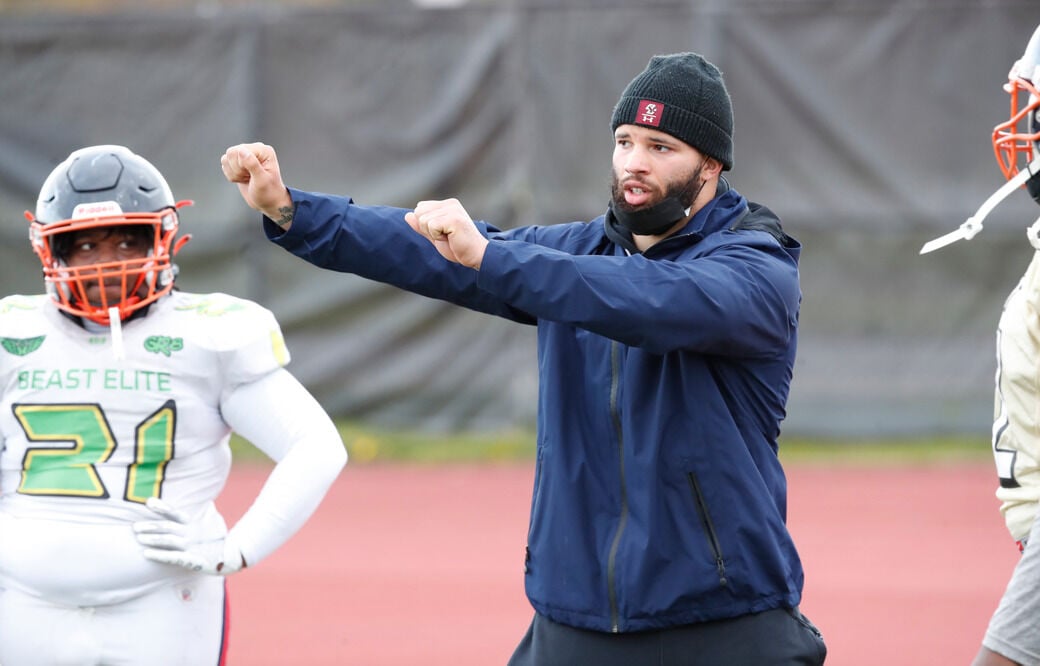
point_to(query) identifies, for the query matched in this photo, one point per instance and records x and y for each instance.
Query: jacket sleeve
(740, 298)
(375, 242)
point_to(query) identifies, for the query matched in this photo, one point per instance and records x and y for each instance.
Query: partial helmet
(1016, 141)
(103, 187)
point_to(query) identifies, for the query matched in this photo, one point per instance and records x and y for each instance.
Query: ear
(712, 168)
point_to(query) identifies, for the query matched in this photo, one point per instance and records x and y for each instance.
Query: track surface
(409, 564)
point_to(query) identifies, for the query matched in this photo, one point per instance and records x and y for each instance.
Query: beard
(685, 190)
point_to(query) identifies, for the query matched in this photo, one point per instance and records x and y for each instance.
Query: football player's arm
(282, 419)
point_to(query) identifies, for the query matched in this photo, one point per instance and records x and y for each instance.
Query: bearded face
(684, 188)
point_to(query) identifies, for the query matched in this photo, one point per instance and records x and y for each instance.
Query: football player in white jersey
(118, 395)
(1013, 635)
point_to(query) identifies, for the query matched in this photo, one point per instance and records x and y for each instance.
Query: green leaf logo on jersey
(18, 302)
(212, 306)
(22, 346)
(163, 344)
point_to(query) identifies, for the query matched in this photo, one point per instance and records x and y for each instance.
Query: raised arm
(254, 168)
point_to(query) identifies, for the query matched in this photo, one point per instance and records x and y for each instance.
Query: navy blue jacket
(658, 498)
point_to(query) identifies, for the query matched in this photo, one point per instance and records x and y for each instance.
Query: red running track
(409, 564)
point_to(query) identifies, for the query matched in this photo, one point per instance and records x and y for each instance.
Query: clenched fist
(449, 227)
(254, 168)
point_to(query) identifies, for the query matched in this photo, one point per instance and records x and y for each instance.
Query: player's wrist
(232, 559)
(281, 211)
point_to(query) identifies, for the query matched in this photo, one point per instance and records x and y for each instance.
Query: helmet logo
(96, 209)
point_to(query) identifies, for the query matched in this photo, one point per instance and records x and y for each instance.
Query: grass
(935, 450)
(367, 444)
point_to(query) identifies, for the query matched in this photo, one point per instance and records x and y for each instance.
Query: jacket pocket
(709, 527)
(536, 500)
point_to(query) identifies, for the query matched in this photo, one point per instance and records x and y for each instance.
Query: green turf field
(369, 444)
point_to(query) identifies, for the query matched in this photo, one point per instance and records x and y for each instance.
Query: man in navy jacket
(667, 330)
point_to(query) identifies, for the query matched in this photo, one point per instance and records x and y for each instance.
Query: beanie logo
(649, 113)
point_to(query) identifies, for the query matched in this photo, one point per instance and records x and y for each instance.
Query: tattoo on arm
(286, 216)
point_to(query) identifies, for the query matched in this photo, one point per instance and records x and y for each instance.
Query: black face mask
(652, 221)
(662, 216)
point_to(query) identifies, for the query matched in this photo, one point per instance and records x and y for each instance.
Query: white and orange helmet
(1016, 141)
(98, 187)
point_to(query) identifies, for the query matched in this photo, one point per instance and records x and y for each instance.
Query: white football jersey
(92, 425)
(1016, 414)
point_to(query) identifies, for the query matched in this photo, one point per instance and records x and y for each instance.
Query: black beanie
(681, 94)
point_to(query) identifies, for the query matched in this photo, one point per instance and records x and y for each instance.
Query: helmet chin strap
(652, 221)
(1033, 187)
(973, 225)
(116, 326)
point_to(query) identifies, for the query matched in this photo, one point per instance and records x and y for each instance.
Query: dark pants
(782, 637)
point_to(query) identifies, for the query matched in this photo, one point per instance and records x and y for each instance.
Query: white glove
(169, 541)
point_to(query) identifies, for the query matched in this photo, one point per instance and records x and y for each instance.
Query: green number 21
(71, 471)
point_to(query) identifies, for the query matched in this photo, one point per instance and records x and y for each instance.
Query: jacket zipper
(623, 517)
(709, 528)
